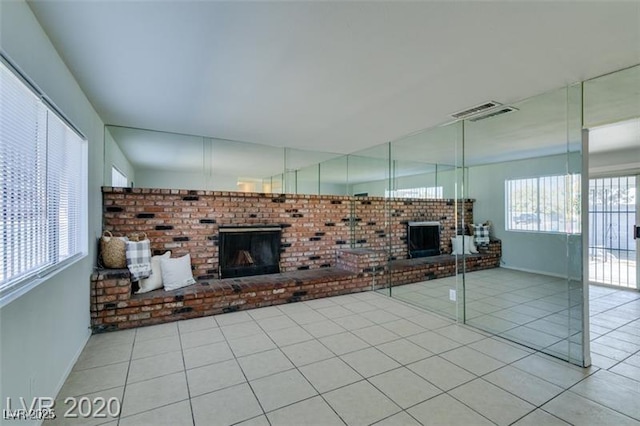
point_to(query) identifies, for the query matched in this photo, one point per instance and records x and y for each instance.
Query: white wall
(330, 189)
(373, 189)
(307, 187)
(113, 156)
(446, 179)
(152, 178)
(43, 331)
(540, 252)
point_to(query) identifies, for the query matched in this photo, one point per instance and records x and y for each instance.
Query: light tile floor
(358, 359)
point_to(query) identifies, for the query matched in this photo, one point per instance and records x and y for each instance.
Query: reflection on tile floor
(533, 310)
(380, 361)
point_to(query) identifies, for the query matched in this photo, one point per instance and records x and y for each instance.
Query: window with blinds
(43, 175)
(118, 178)
(431, 192)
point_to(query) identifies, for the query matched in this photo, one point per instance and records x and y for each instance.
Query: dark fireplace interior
(246, 251)
(423, 239)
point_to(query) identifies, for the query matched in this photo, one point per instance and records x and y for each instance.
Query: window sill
(27, 284)
(531, 231)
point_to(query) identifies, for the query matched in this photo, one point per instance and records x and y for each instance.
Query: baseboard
(613, 287)
(533, 271)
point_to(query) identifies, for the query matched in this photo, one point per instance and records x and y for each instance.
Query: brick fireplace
(313, 227)
(249, 250)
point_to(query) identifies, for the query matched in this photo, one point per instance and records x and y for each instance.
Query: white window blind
(423, 192)
(118, 178)
(43, 175)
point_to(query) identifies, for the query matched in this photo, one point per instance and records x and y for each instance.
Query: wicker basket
(112, 250)
(137, 237)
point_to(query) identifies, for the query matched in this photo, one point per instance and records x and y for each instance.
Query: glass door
(613, 240)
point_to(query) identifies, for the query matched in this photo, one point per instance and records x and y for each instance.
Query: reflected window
(118, 178)
(543, 204)
(423, 192)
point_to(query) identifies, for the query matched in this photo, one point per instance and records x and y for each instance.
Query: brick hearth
(113, 307)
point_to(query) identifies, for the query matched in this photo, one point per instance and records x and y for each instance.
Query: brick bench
(114, 307)
(407, 271)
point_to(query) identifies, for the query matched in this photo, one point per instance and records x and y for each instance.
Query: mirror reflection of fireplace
(247, 251)
(423, 239)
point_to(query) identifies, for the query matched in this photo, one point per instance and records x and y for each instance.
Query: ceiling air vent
(475, 110)
(494, 113)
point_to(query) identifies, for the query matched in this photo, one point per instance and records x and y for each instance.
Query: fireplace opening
(423, 239)
(246, 251)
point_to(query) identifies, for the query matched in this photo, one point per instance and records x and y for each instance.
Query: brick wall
(314, 227)
(361, 260)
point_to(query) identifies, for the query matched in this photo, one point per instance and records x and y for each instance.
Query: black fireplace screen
(245, 251)
(423, 239)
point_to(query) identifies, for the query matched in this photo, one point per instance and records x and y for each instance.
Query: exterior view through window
(543, 204)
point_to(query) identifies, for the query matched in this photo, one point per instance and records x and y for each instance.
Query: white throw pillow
(470, 244)
(457, 244)
(154, 281)
(176, 273)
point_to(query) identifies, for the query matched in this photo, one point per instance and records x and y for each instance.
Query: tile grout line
(146, 380)
(400, 366)
(235, 358)
(124, 389)
(186, 376)
(297, 368)
(364, 379)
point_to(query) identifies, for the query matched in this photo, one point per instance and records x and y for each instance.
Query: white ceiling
(327, 76)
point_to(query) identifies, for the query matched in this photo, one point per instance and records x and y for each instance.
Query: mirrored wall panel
(302, 170)
(485, 220)
(524, 175)
(612, 122)
(426, 192)
(151, 159)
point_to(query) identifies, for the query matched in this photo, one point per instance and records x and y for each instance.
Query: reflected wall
(179, 161)
(612, 116)
(428, 166)
(154, 159)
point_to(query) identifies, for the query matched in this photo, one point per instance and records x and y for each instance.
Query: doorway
(613, 243)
